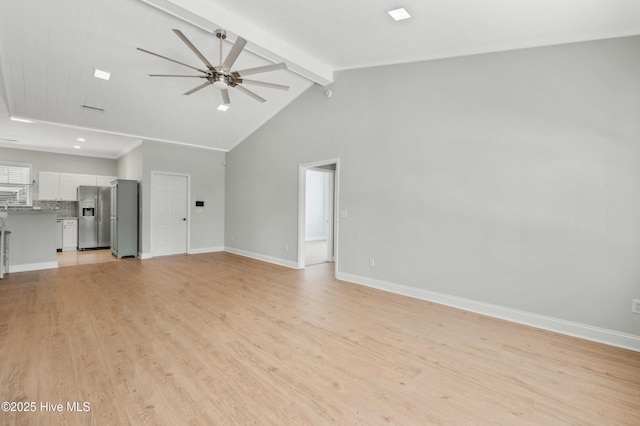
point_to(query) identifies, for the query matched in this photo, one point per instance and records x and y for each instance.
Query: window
(15, 184)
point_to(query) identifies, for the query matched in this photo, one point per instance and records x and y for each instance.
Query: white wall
(130, 165)
(510, 179)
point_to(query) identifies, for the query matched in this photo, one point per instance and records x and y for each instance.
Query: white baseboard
(144, 256)
(205, 250)
(584, 331)
(264, 258)
(32, 267)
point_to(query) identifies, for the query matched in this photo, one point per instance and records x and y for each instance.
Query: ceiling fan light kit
(221, 76)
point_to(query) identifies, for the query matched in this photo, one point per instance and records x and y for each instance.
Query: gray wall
(206, 168)
(510, 178)
(32, 242)
(61, 163)
(130, 165)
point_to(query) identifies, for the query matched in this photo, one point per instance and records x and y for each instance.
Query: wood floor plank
(220, 339)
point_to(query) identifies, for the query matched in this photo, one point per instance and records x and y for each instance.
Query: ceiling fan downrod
(222, 35)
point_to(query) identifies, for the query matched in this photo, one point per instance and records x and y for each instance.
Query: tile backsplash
(64, 208)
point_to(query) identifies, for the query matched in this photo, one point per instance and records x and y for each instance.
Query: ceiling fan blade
(250, 93)
(265, 68)
(225, 96)
(193, 48)
(169, 59)
(195, 89)
(234, 53)
(177, 75)
(263, 84)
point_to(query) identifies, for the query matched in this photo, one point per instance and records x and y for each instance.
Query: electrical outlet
(372, 261)
(635, 306)
(286, 247)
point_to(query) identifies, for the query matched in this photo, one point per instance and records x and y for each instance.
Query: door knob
(184, 218)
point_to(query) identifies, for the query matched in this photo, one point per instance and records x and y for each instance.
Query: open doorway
(317, 228)
(319, 215)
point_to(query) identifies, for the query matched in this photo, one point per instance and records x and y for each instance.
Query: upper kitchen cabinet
(64, 186)
(57, 186)
(68, 187)
(49, 186)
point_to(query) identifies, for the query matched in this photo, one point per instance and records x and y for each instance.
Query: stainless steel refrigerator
(94, 211)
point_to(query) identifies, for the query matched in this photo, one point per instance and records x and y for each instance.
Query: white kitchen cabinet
(49, 186)
(57, 186)
(69, 234)
(68, 187)
(64, 186)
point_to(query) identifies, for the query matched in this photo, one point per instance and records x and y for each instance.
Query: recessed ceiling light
(81, 139)
(223, 107)
(102, 74)
(21, 120)
(77, 147)
(399, 14)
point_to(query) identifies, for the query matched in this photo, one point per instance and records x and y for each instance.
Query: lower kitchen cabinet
(69, 234)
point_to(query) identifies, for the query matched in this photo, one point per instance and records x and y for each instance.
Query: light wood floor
(86, 257)
(218, 339)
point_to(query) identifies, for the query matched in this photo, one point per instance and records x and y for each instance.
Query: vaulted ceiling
(49, 50)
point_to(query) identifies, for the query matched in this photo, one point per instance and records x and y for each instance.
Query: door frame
(302, 196)
(153, 201)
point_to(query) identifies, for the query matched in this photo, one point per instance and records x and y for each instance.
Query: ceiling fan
(221, 76)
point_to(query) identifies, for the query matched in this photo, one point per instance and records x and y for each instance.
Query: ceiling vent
(93, 108)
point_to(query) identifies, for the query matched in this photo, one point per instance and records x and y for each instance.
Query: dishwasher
(58, 234)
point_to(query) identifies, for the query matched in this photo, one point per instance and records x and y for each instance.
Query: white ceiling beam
(208, 15)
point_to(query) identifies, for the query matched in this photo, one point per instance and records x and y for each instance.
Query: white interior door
(169, 214)
(330, 209)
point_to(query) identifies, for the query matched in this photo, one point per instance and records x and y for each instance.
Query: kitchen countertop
(12, 210)
(29, 210)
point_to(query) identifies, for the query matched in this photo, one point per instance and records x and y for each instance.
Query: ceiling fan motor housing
(221, 80)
